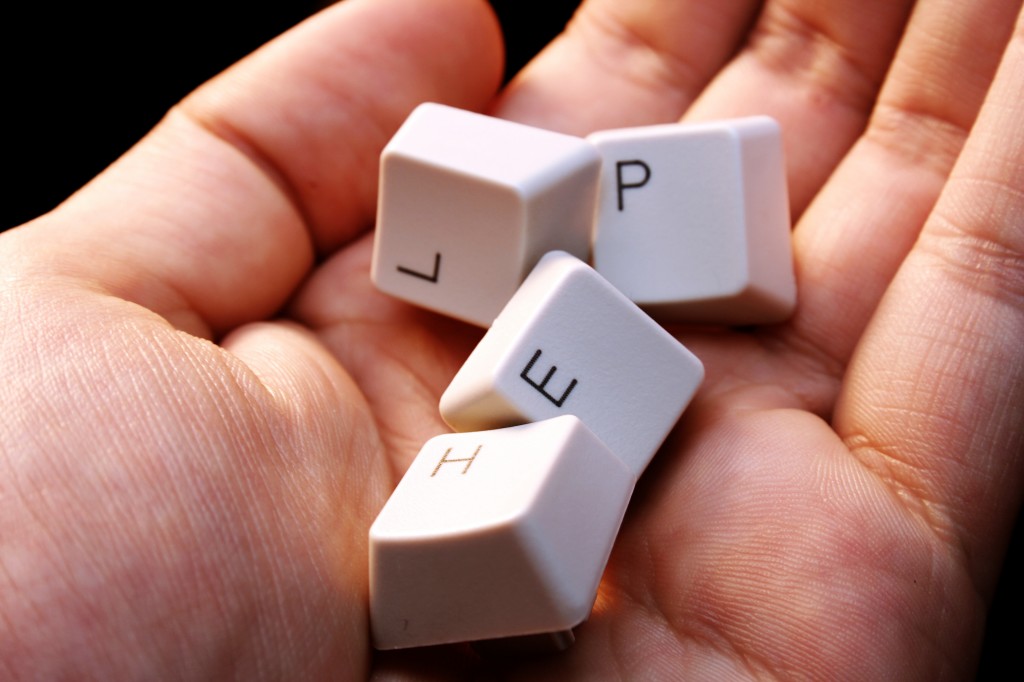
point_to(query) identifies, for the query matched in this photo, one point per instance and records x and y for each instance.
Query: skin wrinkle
(821, 371)
(780, 41)
(149, 289)
(282, 597)
(716, 626)
(673, 73)
(197, 530)
(708, 634)
(222, 132)
(25, 602)
(909, 483)
(344, 105)
(303, 417)
(719, 639)
(902, 469)
(15, 393)
(805, 352)
(957, 98)
(645, 599)
(262, 526)
(391, 436)
(862, 226)
(11, 633)
(898, 477)
(811, 387)
(972, 257)
(224, 382)
(72, 586)
(922, 138)
(162, 294)
(870, 568)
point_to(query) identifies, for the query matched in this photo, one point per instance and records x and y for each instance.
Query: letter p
(620, 181)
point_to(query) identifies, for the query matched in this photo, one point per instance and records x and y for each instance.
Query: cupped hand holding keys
(207, 402)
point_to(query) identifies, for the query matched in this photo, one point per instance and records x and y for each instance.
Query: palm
(754, 531)
(829, 500)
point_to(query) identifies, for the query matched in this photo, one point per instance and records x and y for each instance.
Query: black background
(74, 100)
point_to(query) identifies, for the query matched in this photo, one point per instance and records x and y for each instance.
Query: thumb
(215, 217)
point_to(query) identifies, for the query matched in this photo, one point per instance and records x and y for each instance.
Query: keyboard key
(693, 220)
(495, 534)
(469, 203)
(569, 343)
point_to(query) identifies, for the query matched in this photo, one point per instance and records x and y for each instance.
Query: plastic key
(693, 220)
(570, 343)
(503, 533)
(468, 204)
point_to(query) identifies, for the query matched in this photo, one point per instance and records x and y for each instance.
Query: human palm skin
(206, 403)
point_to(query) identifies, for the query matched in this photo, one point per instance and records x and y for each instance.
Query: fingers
(217, 215)
(852, 239)
(935, 395)
(815, 67)
(626, 63)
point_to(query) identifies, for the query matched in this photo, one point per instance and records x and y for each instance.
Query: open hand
(206, 402)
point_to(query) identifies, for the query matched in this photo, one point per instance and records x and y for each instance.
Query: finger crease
(920, 137)
(794, 47)
(907, 485)
(809, 357)
(671, 70)
(234, 138)
(699, 629)
(991, 264)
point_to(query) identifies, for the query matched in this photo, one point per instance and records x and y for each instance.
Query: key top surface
(569, 343)
(496, 534)
(468, 204)
(693, 220)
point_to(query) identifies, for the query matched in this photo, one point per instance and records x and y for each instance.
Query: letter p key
(707, 238)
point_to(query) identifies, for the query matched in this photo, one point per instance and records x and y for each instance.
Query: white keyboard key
(569, 343)
(468, 204)
(693, 220)
(496, 534)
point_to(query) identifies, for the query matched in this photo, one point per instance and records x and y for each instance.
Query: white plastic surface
(693, 220)
(468, 204)
(496, 534)
(569, 343)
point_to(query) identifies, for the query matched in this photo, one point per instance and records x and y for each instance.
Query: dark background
(74, 102)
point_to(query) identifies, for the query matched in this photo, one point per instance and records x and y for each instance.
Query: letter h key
(570, 343)
(507, 542)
